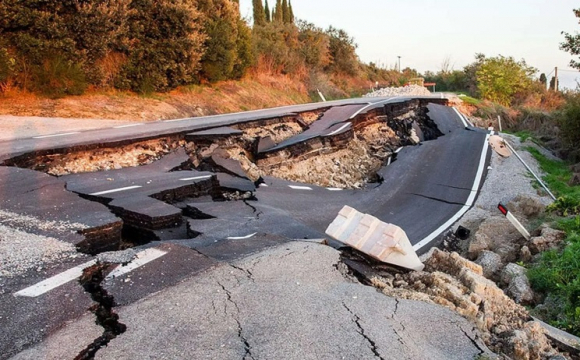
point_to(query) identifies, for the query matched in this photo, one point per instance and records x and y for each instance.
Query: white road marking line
(368, 106)
(55, 135)
(299, 187)
(467, 205)
(141, 259)
(461, 117)
(398, 150)
(126, 126)
(241, 237)
(116, 190)
(55, 281)
(263, 185)
(334, 189)
(173, 120)
(339, 129)
(389, 161)
(196, 178)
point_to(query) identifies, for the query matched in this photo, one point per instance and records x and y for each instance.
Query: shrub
(57, 77)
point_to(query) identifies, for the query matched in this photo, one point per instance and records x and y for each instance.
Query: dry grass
(256, 92)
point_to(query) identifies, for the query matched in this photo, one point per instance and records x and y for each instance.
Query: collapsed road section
(157, 185)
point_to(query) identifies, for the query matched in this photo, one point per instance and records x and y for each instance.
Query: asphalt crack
(361, 331)
(437, 199)
(243, 339)
(91, 280)
(473, 341)
(248, 273)
(254, 209)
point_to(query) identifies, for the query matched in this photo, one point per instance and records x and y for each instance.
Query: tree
(553, 83)
(285, 12)
(543, 80)
(501, 79)
(165, 45)
(572, 43)
(278, 12)
(343, 52)
(259, 13)
(268, 15)
(221, 28)
(291, 11)
(314, 45)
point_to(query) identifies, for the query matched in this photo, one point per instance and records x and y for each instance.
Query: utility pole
(556, 77)
(399, 63)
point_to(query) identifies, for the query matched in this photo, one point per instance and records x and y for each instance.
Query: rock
(528, 343)
(575, 168)
(520, 290)
(526, 205)
(510, 272)
(525, 254)
(451, 263)
(549, 239)
(490, 262)
(397, 91)
(479, 243)
(575, 180)
(497, 234)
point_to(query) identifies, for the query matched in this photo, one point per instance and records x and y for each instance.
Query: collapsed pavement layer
(40, 204)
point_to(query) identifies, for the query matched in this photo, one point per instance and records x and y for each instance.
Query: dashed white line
(55, 135)
(115, 190)
(196, 178)
(461, 117)
(389, 160)
(141, 259)
(263, 185)
(468, 203)
(241, 237)
(339, 129)
(334, 189)
(55, 281)
(398, 150)
(299, 187)
(127, 126)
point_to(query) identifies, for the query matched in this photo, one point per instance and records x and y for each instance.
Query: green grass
(557, 273)
(558, 174)
(469, 99)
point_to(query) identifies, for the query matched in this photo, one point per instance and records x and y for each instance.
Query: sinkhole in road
(241, 155)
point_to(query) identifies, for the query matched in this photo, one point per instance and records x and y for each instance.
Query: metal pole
(530, 170)
(399, 63)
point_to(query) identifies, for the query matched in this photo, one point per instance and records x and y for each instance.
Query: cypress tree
(291, 11)
(278, 12)
(259, 14)
(285, 12)
(267, 12)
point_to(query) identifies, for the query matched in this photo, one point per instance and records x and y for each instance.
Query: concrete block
(385, 242)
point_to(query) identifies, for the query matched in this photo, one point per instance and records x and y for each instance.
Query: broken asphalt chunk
(385, 242)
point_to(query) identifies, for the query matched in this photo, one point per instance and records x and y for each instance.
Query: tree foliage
(343, 52)
(501, 79)
(260, 17)
(571, 43)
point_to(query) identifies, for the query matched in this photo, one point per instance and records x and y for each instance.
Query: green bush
(558, 274)
(569, 122)
(57, 77)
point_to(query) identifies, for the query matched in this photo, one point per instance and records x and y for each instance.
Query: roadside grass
(469, 100)
(557, 272)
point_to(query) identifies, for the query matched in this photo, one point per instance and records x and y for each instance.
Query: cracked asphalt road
(289, 302)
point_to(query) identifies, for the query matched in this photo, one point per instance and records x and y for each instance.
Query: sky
(425, 33)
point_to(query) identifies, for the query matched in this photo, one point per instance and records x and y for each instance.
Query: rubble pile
(408, 90)
(457, 283)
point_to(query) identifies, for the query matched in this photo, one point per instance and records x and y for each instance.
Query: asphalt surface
(290, 302)
(426, 186)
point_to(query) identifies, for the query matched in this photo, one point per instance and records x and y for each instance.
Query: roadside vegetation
(61, 48)
(556, 274)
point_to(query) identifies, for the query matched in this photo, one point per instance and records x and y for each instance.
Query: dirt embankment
(261, 91)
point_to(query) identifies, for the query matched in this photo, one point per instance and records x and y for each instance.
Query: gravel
(21, 251)
(506, 178)
(400, 91)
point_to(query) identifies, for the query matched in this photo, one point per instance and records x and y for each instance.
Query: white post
(321, 96)
(499, 121)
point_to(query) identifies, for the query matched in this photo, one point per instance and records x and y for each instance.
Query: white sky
(426, 32)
